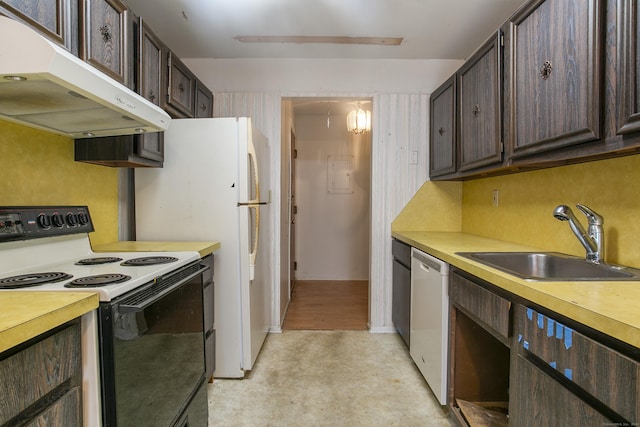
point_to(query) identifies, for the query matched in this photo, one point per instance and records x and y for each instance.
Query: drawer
(483, 304)
(38, 369)
(210, 354)
(401, 252)
(207, 262)
(609, 376)
(208, 302)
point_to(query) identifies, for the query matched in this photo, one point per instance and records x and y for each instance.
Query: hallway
(328, 378)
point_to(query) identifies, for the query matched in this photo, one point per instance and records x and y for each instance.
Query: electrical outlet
(414, 158)
(496, 198)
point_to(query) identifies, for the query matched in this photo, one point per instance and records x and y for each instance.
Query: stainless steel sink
(552, 266)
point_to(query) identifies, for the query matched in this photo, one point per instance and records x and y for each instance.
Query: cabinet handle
(203, 107)
(151, 96)
(441, 131)
(106, 33)
(545, 70)
(476, 110)
(180, 87)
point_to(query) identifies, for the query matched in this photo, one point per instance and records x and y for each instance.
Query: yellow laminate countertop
(25, 315)
(609, 307)
(204, 248)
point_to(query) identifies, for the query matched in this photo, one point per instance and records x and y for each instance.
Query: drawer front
(401, 252)
(594, 367)
(35, 371)
(486, 306)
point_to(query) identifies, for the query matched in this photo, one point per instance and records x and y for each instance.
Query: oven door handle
(153, 293)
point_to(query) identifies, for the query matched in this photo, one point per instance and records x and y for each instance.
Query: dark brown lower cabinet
(41, 380)
(538, 400)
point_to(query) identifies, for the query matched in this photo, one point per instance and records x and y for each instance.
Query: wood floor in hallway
(328, 305)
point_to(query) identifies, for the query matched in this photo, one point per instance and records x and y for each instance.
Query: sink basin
(551, 266)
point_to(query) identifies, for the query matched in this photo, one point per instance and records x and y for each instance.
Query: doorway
(329, 211)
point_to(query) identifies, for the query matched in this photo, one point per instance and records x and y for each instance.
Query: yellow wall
(436, 206)
(37, 168)
(527, 200)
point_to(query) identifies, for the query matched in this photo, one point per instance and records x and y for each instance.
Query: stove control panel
(32, 222)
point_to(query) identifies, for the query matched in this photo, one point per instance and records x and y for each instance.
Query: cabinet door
(105, 41)
(442, 159)
(55, 19)
(628, 68)
(181, 91)
(479, 81)
(204, 101)
(555, 75)
(152, 83)
(535, 399)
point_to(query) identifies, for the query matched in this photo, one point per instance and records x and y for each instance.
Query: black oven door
(152, 350)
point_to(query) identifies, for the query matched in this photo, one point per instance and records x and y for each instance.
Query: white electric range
(154, 299)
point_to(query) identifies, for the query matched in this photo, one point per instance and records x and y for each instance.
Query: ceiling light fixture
(359, 120)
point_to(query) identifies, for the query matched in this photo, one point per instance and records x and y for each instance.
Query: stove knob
(57, 220)
(44, 221)
(83, 219)
(72, 220)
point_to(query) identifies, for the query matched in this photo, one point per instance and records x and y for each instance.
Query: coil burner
(33, 279)
(148, 260)
(98, 260)
(97, 281)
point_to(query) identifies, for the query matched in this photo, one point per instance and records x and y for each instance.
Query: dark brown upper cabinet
(628, 68)
(555, 75)
(442, 158)
(55, 19)
(152, 83)
(204, 101)
(106, 38)
(480, 106)
(180, 101)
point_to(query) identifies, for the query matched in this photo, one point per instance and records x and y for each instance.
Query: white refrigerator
(214, 186)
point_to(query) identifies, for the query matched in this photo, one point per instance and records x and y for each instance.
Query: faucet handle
(593, 217)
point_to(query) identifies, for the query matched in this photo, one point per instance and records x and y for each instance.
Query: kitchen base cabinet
(401, 306)
(478, 350)
(538, 400)
(40, 381)
(559, 374)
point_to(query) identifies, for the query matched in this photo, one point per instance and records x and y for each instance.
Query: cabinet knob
(441, 131)
(180, 87)
(151, 96)
(106, 33)
(203, 107)
(545, 70)
(476, 110)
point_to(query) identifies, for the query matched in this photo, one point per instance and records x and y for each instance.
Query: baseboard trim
(382, 330)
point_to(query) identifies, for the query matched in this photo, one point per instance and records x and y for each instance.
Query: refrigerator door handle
(252, 204)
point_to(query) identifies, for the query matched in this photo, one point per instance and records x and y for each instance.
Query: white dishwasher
(430, 320)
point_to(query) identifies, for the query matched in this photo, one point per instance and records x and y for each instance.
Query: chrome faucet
(593, 239)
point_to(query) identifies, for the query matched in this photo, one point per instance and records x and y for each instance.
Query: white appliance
(44, 86)
(214, 186)
(430, 320)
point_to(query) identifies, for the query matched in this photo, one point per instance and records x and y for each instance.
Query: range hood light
(140, 130)
(15, 78)
(88, 134)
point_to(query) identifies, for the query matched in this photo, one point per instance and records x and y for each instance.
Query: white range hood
(44, 86)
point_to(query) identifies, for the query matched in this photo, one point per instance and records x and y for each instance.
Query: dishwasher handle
(425, 260)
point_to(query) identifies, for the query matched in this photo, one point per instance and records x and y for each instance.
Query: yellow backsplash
(38, 169)
(436, 206)
(526, 202)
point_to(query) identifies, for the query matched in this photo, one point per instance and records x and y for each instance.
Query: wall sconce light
(359, 120)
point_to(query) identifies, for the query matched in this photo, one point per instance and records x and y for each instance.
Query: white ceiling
(431, 29)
